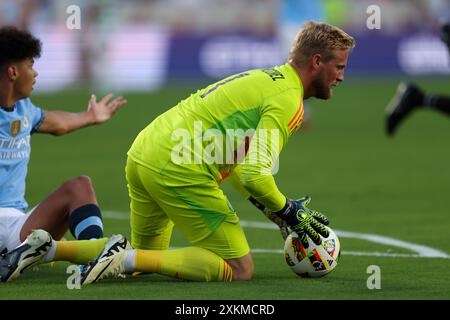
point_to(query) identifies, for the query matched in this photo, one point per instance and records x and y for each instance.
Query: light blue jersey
(16, 126)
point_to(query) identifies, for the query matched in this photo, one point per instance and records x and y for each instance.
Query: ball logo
(318, 266)
(298, 249)
(330, 246)
(316, 260)
(289, 260)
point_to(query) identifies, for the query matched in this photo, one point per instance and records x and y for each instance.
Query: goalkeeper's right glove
(304, 221)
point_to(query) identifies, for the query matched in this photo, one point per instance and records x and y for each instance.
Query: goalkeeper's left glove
(272, 216)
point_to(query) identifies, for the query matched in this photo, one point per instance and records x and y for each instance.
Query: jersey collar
(7, 109)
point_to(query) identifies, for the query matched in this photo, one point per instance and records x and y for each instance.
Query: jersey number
(241, 75)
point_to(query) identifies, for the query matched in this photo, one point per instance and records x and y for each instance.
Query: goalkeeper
(234, 129)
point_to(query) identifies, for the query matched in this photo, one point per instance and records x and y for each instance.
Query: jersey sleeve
(234, 179)
(36, 116)
(281, 115)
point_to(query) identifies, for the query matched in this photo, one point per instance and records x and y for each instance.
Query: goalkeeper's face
(329, 74)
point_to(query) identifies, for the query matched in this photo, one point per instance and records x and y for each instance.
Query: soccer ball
(314, 261)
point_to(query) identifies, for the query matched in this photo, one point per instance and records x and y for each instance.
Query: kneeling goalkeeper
(234, 129)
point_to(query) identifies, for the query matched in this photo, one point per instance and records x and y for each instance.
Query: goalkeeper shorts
(198, 209)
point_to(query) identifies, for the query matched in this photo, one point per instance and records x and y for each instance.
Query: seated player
(73, 205)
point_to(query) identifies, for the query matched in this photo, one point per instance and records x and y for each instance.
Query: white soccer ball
(314, 261)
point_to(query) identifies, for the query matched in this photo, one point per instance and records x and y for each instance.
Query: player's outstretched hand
(304, 221)
(104, 109)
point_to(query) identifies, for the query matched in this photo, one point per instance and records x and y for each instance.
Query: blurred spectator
(20, 12)
(103, 49)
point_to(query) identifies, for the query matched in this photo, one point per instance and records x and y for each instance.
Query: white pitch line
(351, 253)
(420, 250)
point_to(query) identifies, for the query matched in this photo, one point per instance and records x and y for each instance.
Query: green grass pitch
(396, 188)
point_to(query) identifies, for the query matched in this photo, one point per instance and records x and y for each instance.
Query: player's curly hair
(17, 45)
(321, 38)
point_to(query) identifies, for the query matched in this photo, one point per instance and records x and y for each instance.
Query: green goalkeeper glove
(304, 221)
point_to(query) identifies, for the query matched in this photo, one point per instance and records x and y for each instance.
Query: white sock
(51, 253)
(129, 261)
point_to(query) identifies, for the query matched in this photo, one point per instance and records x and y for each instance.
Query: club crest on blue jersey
(15, 128)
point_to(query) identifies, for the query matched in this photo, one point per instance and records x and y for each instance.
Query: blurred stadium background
(141, 45)
(158, 52)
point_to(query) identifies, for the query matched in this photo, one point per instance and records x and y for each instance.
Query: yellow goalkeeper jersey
(237, 125)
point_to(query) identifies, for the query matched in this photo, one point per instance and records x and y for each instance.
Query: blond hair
(321, 38)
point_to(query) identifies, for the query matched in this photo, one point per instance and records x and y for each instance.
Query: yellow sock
(79, 251)
(191, 263)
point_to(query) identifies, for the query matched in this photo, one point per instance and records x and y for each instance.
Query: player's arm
(261, 161)
(278, 123)
(264, 194)
(235, 181)
(61, 122)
